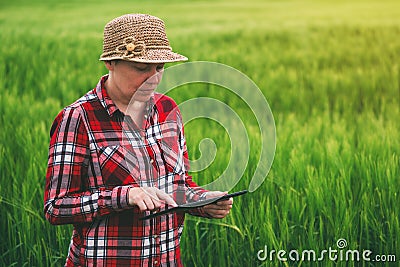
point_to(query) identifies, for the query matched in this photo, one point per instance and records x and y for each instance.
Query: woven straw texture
(138, 38)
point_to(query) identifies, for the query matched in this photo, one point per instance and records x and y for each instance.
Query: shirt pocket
(171, 147)
(119, 166)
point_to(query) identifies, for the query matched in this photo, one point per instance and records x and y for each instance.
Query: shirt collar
(103, 96)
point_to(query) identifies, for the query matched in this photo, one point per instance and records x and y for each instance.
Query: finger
(157, 203)
(225, 207)
(219, 207)
(149, 203)
(213, 207)
(167, 198)
(218, 210)
(212, 194)
(141, 205)
(150, 194)
(220, 215)
(217, 213)
(225, 202)
(150, 191)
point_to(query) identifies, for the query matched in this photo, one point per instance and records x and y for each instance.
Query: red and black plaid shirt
(95, 157)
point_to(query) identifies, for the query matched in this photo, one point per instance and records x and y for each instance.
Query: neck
(137, 106)
(122, 102)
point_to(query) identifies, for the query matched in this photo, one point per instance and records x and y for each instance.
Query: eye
(142, 69)
(160, 67)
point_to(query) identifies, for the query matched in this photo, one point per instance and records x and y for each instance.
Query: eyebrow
(139, 64)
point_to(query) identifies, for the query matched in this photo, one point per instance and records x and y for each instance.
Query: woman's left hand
(220, 209)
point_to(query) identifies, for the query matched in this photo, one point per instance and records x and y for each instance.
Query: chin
(142, 97)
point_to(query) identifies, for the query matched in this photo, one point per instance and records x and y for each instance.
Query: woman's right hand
(149, 198)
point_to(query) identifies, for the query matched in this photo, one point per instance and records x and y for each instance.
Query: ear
(109, 65)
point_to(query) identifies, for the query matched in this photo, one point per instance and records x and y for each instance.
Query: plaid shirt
(95, 157)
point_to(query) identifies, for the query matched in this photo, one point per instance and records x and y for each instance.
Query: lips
(147, 91)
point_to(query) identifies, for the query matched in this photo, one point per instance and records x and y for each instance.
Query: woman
(119, 153)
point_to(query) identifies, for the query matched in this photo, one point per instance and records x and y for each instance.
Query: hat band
(131, 48)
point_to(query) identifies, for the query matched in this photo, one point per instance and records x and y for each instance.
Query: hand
(149, 198)
(220, 209)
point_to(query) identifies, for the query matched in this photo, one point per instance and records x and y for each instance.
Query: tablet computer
(193, 205)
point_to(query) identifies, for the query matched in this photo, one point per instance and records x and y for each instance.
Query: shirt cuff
(120, 197)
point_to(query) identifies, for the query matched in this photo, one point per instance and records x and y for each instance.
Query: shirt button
(155, 262)
(145, 116)
(152, 161)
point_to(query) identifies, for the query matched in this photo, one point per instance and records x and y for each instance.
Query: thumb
(212, 194)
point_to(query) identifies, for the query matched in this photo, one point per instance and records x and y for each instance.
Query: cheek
(134, 86)
(137, 81)
(132, 82)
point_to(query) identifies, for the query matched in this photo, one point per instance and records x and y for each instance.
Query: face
(133, 80)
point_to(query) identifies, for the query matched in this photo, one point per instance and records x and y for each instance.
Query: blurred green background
(329, 70)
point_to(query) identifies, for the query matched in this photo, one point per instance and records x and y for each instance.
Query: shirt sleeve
(66, 199)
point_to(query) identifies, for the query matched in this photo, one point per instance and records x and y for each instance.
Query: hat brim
(150, 56)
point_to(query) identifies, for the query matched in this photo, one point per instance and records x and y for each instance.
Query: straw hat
(138, 38)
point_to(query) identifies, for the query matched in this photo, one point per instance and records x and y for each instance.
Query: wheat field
(329, 70)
